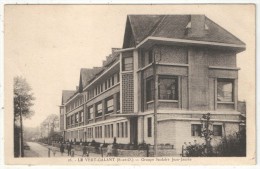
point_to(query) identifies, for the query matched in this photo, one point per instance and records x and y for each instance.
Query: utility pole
(155, 77)
(21, 129)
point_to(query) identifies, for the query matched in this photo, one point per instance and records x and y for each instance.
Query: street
(38, 150)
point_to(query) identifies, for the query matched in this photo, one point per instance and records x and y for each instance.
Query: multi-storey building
(186, 63)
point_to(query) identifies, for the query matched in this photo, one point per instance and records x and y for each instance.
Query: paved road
(42, 151)
(38, 150)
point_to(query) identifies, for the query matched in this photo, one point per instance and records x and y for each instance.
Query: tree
(23, 98)
(207, 133)
(49, 124)
(23, 101)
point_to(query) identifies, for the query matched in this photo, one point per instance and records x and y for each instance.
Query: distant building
(197, 74)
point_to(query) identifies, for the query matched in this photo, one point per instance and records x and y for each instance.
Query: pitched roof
(175, 26)
(66, 94)
(86, 74)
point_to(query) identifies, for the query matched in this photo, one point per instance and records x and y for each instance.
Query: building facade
(184, 64)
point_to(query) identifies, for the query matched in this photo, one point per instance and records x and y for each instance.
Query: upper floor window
(118, 101)
(77, 118)
(149, 90)
(118, 77)
(99, 109)
(225, 90)
(168, 88)
(110, 105)
(90, 112)
(81, 116)
(150, 57)
(127, 63)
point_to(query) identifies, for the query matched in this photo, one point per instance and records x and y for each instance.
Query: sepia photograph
(129, 84)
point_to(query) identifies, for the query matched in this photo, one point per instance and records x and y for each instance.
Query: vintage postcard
(129, 84)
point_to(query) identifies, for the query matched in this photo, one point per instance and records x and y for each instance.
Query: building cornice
(187, 41)
(224, 68)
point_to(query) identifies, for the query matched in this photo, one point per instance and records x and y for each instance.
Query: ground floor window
(109, 131)
(149, 127)
(122, 129)
(196, 130)
(90, 132)
(98, 132)
(217, 130)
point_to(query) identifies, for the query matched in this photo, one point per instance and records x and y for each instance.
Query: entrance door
(133, 130)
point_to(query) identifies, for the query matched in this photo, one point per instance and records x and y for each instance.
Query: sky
(48, 44)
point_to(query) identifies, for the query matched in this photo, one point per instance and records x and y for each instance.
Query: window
(128, 64)
(107, 131)
(72, 119)
(118, 131)
(149, 90)
(68, 120)
(196, 130)
(126, 129)
(99, 109)
(101, 88)
(168, 88)
(217, 130)
(149, 127)
(81, 116)
(90, 112)
(118, 77)
(150, 56)
(225, 90)
(110, 105)
(77, 118)
(122, 129)
(98, 132)
(118, 101)
(112, 131)
(105, 85)
(108, 83)
(113, 80)
(90, 133)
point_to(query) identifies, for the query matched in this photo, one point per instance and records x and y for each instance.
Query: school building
(187, 63)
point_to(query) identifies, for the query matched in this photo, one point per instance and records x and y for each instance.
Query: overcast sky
(49, 44)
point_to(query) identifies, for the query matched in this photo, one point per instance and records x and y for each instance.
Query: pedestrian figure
(61, 149)
(53, 152)
(72, 151)
(69, 149)
(109, 150)
(85, 151)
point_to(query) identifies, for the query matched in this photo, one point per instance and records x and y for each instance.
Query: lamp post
(156, 56)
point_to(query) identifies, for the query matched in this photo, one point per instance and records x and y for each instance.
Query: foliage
(23, 98)
(232, 145)
(50, 123)
(195, 150)
(206, 133)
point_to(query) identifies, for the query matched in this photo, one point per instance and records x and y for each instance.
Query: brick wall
(221, 58)
(173, 54)
(127, 93)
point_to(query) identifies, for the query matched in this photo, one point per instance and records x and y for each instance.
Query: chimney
(196, 27)
(114, 50)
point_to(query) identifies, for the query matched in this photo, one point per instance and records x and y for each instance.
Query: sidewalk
(65, 154)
